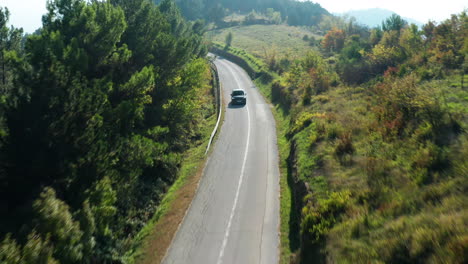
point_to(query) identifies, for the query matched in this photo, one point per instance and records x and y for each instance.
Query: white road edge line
(233, 210)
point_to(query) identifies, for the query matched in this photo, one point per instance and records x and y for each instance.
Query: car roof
(237, 90)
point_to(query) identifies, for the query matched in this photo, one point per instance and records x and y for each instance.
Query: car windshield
(234, 93)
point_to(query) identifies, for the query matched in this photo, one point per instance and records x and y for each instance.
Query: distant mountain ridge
(374, 16)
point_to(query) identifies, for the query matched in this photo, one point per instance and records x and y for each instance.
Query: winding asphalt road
(234, 217)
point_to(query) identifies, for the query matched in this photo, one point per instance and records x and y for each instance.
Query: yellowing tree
(410, 40)
(334, 40)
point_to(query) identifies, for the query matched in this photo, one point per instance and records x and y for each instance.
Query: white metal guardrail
(219, 104)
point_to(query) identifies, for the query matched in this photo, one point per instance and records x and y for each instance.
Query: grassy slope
(261, 40)
(410, 220)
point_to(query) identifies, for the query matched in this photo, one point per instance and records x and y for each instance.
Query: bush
(228, 40)
(345, 147)
(281, 95)
(333, 130)
(427, 161)
(55, 220)
(321, 215)
(36, 251)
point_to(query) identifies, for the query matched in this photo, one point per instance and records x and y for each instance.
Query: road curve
(234, 217)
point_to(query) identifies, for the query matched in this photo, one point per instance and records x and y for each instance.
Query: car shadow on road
(235, 106)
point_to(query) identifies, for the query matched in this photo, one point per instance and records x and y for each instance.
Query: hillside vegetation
(295, 12)
(97, 111)
(373, 140)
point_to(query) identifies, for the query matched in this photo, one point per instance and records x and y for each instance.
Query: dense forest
(294, 12)
(96, 111)
(372, 130)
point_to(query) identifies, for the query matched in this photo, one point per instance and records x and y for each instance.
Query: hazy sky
(421, 10)
(28, 13)
(25, 13)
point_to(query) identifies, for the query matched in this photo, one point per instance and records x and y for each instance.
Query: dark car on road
(238, 96)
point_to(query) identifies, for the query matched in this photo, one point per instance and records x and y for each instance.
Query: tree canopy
(294, 12)
(95, 112)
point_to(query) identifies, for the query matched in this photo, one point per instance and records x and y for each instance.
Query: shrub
(55, 220)
(344, 147)
(228, 40)
(36, 250)
(320, 216)
(427, 160)
(306, 95)
(281, 95)
(304, 120)
(333, 130)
